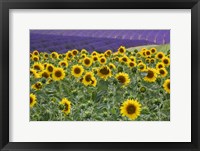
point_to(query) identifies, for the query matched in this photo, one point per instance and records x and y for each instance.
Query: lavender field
(98, 40)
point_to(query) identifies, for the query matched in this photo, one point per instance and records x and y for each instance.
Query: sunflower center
(168, 85)
(69, 54)
(36, 53)
(95, 58)
(44, 74)
(53, 55)
(102, 60)
(124, 59)
(58, 74)
(63, 64)
(131, 109)
(148, 53)
(166, 61)
(46, 55)
(108, 53)
(121, 79)
(160, 66)
(74, 52)
(141, 67)
(66, 107)
(77, 70)
(35, 59)
(31, 100)
(50, 68)
(162, 72)
(37, 67)
(121, 50)
(88, 78)
(150, 74)
(38, 85)
(153, 50)
(131, 64)
(105, 71)
(87, 61)
(160, 56)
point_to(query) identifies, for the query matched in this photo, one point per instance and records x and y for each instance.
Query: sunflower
(38, 66)
(34, 73)
(58, 74)
(112, 66)
(163, 72)
(74, 52)
(108, 52)
(87, 61)
(95, 58)
(147, 60)
(124, 59)
(147, 53)
(83, 55)
(50, 68)
(44, 74)
(67, 105)
(32, 100)
(63, 63)
(37, 86)
(121, 50)
(152, 60)
(83, 51)
(94, 53)
(45, 65)
(77, 70)
(102, 60)
(104, 72)
(35, 52)
(45, 55)
(153, 50)
(35, 58)
(166, 61)
(132, 58)
(160, 65)
(166, 85)
(141, 66)
(69, 55)
(143, 52)
(151, 75)
(54, 55)
(131, 109)
(87, 78)
(160, 55)
(132, 64)
(49, 81)
(123, 78)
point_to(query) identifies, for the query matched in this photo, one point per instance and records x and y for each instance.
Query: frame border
(5, 5)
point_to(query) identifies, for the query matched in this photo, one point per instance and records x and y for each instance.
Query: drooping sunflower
(131, 109)
(102, 60)
(37, 86)
(141, 66)
(151, 75)
(67, 105)
(123, 78)
(63, 63)
(112, 66)
(45, 74)
(166, 61)
(87, 61)
(74, 52)
(153, 50)
(104, 72)
(121, 50)
(108, 52)
(132, 64)
(32, 100)
(166, 85)
(58, 74)
(160, 65)
(50, 68)
(77, 70)
(35, 58)
(54, 55)
(87, 78)
(38, 66)
(35, 52)
(163, 72)
(160, 55)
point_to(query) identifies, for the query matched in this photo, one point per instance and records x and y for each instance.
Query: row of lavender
(99, 40)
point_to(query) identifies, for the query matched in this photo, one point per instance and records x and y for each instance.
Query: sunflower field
(119, 85)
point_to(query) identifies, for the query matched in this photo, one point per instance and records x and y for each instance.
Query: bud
(135, 50)
(120, 69)
(142, 89)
